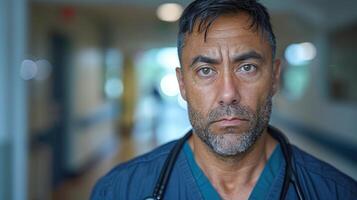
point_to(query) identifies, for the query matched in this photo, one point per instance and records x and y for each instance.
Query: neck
(233, 177)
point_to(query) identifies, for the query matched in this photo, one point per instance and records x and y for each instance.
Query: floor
(80, 187)
(148, 133)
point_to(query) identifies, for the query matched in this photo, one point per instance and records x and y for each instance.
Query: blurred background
(87, 84)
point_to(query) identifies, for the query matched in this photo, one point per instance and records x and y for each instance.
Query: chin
(231, 142)
(230, 130)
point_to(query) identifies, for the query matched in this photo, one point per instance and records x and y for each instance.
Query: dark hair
(205, 12)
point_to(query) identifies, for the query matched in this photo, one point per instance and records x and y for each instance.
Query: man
(228, 76)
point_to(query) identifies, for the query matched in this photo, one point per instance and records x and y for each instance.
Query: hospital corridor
(88, 84)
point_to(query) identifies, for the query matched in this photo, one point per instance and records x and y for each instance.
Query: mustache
(232, 111)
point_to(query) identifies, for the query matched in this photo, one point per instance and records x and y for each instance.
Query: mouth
(230, 121)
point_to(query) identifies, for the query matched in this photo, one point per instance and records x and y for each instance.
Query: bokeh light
(28, 70)
(168, 57)
(169, 12)
(113, 88)
(169, 85)
(44, 69)
(300, 54)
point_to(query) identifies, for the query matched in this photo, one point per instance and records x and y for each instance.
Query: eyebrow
(237, 58)
(248, 55)
(203, 59)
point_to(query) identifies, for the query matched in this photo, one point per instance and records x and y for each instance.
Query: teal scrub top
(261, 188)
(137, 178)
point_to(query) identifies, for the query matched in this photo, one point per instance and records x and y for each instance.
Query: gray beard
(231, 143)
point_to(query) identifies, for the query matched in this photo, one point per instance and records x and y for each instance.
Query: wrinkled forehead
(229, 25)
(233, 31)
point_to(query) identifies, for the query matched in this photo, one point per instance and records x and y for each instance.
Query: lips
(230, 121)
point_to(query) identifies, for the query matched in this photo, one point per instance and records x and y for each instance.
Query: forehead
(227, 26)
(234, 32)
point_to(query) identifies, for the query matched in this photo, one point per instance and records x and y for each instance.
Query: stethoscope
(290, 174)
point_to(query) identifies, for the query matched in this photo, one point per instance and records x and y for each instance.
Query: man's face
(228, 82)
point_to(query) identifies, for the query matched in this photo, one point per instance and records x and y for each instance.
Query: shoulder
(153, 156)
(125, 178)
(322, 176)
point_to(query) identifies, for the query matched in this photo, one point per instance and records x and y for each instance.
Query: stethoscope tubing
(290, 173)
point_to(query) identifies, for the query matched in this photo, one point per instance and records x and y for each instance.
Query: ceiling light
(169, 12)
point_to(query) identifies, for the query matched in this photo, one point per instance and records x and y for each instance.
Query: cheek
(201, 99)
(255, 95)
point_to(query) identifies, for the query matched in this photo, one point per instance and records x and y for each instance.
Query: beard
(231, 141)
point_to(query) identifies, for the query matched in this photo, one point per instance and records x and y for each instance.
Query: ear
(179, 76)
(276, 75)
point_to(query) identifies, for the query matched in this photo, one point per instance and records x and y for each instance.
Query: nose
(228, 90)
